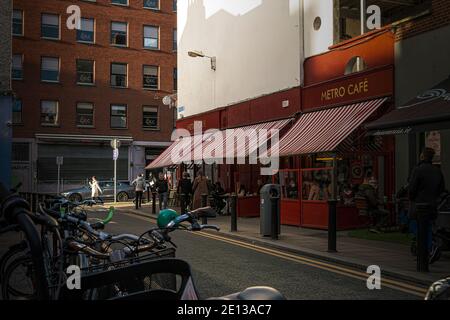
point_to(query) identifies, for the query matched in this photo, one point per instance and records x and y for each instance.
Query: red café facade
(344, 88)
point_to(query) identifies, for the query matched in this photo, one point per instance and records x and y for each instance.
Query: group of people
(161, 186)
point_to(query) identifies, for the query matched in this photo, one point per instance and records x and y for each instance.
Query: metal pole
(332, 219)
(422, 238)
(233, 204)
(59, 178)
(363, 16)
(115, 180)
(154, 202)
(275, 220)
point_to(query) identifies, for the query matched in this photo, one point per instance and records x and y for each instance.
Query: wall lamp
(195, 54)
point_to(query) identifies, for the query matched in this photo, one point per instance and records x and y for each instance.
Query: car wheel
(76, 197)
(122, 197)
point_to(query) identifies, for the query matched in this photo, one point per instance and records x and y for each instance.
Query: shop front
(329, 154)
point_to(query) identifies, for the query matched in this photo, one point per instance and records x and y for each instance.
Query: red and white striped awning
(324, 130)
(235, 143)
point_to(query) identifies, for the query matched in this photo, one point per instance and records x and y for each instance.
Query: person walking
(95, 188)
(426, 184)
(139, 184)
(185, 191)
(162, 187)
(200, 187)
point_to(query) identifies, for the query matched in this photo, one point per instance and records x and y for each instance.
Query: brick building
(77, 89)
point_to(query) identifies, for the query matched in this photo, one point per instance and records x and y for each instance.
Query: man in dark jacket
(185, 191)
(425, 186)
(162, 187)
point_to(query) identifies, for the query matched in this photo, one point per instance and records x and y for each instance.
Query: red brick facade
(438, 16)
(31, 90)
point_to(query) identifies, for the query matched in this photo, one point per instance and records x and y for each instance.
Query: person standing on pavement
(95, 188)
(185, 191)
(139, 183)
(200, 187)
(426, 184)
(162, 187)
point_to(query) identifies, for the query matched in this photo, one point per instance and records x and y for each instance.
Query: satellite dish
(166, 100)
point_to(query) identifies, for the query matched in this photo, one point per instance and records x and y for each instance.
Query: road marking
(360, 275)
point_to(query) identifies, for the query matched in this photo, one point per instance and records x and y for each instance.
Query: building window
(118, 116)
(86, 33)
(49, 69)
(150, 117)
(17, 67)
(151, 4)
(49, 113)
(174, 45)
(121, 2)
(50, 26)
(85, 71)
(174, 5)
(17, 111)
(119, 34)
(119, 75)
(151, 35)
(175, 79)
(17, 23)
(85, 114)
(151, 77)
(347, 15)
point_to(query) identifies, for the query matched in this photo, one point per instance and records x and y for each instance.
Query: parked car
(125, 192)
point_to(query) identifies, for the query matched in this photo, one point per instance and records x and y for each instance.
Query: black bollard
(422, 238)
(154, 202)
(233, 212)
(204, 204)
(332, 225)
(275, 220)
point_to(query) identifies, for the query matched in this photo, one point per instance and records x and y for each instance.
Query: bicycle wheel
(19, 280)
(12, 254)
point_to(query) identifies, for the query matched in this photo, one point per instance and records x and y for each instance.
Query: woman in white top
(95, 188)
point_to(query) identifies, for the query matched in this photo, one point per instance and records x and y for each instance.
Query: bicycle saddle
(204, 212)
(254, 293)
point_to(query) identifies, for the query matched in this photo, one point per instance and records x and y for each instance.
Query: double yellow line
(386, 282)
(315, 263)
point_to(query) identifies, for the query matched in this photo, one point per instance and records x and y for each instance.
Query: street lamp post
(195, 54)
(115, 144)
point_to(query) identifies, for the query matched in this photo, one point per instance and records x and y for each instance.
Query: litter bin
(267, 191)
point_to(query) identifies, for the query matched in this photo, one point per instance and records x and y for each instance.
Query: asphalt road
(222, 268)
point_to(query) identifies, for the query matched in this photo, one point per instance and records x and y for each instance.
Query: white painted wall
(257, 44)
(317, 41)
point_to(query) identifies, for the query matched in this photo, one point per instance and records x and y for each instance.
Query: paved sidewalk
(394, 259)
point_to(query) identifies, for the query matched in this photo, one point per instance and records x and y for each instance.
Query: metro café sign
(349, 89)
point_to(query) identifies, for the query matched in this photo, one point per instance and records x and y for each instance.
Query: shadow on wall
(257, 53)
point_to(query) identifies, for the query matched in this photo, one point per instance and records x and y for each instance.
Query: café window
(288, 180)
(151, 37)
(50, 69)
(85, 114)
(49, 113)
(17, 111)
(316, 184)
(50, 26)
(151, 77)
(86, 33)
(17, 67)
(120, 2)
(348, 15)
(150, 117)
(119, 75)
(151, 4)
(85, 71)
(17, 23)
(119, 33)
(118, 116)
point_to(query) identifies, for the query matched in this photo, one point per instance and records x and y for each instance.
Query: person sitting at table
(369, 190)
(291, 189)
(242, 192)
(259, 185)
